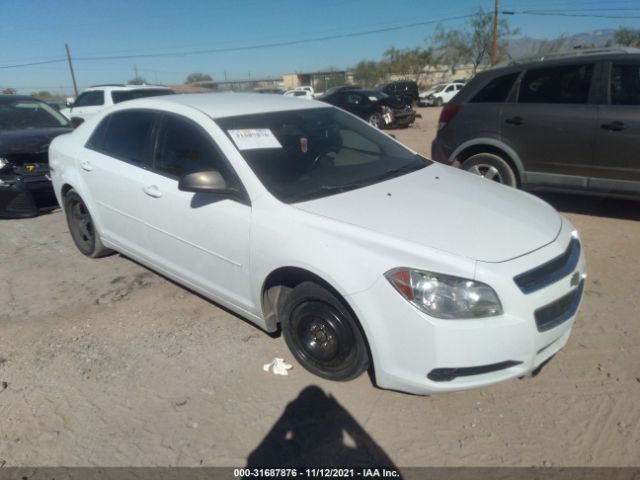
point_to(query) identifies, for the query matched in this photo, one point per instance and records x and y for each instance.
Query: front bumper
(404, 119)
(27, 197)
(419, 354)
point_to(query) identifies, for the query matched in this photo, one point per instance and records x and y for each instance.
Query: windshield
(438, 88)
(304, 154)
(122, 95)
(375, 95)
(27, 114)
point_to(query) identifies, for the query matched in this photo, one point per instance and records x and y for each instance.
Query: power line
(249, 47)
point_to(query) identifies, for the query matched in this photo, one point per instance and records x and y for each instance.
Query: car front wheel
(322, 334)
(492, 167)
(438, 102)
(375, 119)
(81, 226)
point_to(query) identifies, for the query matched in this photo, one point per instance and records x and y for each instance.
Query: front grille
(550, 272)
(559, 311)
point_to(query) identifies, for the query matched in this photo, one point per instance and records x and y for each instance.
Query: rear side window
(567, 84)
(625, 84)
(128, 135)
(497, 90)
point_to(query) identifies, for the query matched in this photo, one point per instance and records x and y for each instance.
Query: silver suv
(568, 123)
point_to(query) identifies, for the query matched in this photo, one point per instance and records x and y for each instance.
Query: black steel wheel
(323, 335)
(81, 226)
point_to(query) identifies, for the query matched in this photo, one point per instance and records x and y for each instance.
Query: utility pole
(73, 76)
(494, 42)
(135, 71)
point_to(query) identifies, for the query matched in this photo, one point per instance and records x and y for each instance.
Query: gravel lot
(107, 363)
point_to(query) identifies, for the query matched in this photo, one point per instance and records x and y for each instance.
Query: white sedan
(301, 217)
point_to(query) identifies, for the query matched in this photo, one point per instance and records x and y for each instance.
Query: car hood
(446, 209)
(29, 140)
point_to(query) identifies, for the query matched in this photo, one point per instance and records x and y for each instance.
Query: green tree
(410, 62)
(472, 43)
(628, 37)
(368, 73)
(137, 81)
(198, 77)
(41, 94)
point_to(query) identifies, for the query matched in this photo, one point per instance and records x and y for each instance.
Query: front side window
(568, 84)
(497, 90)
(625, 84)
(184, 148)
(128, 135)
(90, 99)
(29, 114)
(305, 154)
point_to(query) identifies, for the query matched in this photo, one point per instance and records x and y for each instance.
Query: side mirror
(77, 121)
(209, 181)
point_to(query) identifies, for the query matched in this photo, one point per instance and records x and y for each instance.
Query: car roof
(219, 105)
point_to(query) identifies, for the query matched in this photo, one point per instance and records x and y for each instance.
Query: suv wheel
(492, 167)
(322, 334)
(438, 102)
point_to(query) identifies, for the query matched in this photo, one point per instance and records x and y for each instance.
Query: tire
(375, 119)
(438, 102)
(322, 334)
(82, 228)
(491, 167)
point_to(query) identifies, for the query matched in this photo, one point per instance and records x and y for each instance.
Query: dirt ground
(103, 362)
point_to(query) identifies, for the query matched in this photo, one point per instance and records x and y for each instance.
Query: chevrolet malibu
(301, 217)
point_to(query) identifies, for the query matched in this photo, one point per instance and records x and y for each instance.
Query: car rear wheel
(375, 119)
(82, 228)
(492, 167)
(322, 334)
(438, 102)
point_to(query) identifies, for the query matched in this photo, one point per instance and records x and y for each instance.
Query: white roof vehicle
(99, 97)
(299, 93)
(440, 94)
(301, 217)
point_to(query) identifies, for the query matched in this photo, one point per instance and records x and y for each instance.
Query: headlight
(445, 296)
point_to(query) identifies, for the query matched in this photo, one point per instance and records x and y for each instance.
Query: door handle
(86, 166)
(152, 191)
(514, 121)
(616, 126)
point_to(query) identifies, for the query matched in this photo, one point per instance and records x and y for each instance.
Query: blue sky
(36, 30)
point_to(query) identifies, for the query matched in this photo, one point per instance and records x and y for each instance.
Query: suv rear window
(497, 90)
(121, 95)
(562, 84)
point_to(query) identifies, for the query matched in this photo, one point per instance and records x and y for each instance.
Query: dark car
(27, 127)
(374, 106)
(404, 90)
(570, 123)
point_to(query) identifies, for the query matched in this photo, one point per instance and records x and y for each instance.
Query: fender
(494, 142)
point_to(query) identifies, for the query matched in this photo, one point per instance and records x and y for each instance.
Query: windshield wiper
(395, 172)
(328, 189)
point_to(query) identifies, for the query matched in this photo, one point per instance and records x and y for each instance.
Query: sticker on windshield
(253, 138)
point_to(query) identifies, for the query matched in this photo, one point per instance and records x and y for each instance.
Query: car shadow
(316, 431)
(594, 206)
